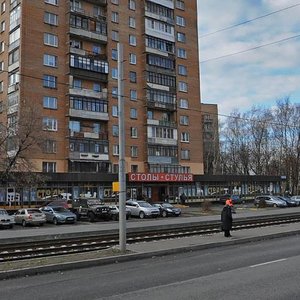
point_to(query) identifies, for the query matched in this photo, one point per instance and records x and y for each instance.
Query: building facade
(61, 57)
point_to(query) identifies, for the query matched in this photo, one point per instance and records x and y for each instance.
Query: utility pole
(122, 174)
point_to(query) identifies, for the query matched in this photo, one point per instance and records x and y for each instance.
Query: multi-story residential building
(61, 57)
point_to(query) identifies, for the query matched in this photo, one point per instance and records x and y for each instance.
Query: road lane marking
(268, 262)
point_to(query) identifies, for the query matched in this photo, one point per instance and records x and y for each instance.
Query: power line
(247, 21)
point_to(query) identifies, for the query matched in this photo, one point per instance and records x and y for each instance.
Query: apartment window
(132, 4)
(49, 124)
(181, 53)
(50, 60)
(116, 2)
(2, 26)
(50, 18)
(54, 2)
(134, 168)
(181, 37)
(49, 81)
(184, 120)
(134, 151)
(182, 70)
(114, 54)
(96, 49)
(115, 17)
(115, 149)
(50, 39)
(50, 146)
(133, 113)
(184, 103)
(96, 87)
(74, 126)
(77, 83)
(2, 7)
(150, 115)
(185, 137)
(1, 65)
(180, 21)
(50, 102)
(115, 130)
(182, 86)
(132, 40)
(132, 58)
(1, 47)
(180, 4)
(13, 78)
(185, 154)
(133, 95)
(132, 76)
(1, 86)
(115, 35)
(76, 44)
(114, 111)
(114, 73)
(49, 167)
(133, 132)
(114, 92)
(132, 23)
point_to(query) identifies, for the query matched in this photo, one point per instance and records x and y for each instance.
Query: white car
(296, 198)
(5, 219)
(30, 216)
(142, 209)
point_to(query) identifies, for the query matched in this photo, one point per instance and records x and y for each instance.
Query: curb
(129, 257)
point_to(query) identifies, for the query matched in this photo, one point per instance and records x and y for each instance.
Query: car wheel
(164, 214)
(142, 215)
(55, 222)
(91, 217)
(41, 224)
(274, 205)
(114, 217)
(24, 223)
(127, 217)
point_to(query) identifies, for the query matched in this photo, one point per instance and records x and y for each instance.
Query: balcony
(162, 141)
(88, 93)
(86, 156)
(162, 105)
(162, 160)
(85, 33)
(166, 3)
(91, 115)
(162, 123)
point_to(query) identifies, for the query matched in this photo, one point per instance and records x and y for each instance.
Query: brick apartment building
(61, 57)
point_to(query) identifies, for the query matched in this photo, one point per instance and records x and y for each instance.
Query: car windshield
(60, 209)
(33, 211)
(167, 205)
(94, 202)
(144, 204)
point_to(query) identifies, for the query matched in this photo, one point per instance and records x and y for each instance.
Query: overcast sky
(255, 77)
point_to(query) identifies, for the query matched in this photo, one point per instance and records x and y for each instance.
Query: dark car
(236, 199)
(167, 209)
(288, 201)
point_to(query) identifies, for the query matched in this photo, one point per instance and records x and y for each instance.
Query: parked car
(114, 212)
(296, 198)
(236, 199)
(288, 201)
(30, 216)
(5, 219)
(64, 203)
(268, 200)
(167, 209)
(142, 209)
(58, 215)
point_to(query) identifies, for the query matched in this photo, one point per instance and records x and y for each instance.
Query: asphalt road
(263, 270)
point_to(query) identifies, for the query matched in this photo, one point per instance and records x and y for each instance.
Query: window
(50, 39)
(181, 53)
(1, 65)
(114, 73)
(96, 49)
(181, 37)
(185, 154)
(134, 168)
(13, 78)
(134, 151)
(185, 137)
(74, 126)
(182, 86)
(183, 103)
(150, 114)
(49, 124)
(184, 120)
(132, 58)
(50, 146)
(2, 7)
(76, 44)
(49, 167)
(133, 95)
(1, 86)
(96, 87)
(115, 17)
(114, 92)
(77, 83)
(50, 18)
(115, 130)
(133, 132)
(133, 113)
(49, 81)
(114, 111)
(2, 26)
(132, 40)
(50, 102)
(14, 37)
(114, 54)
(182, 70)
(180, 21)
(115, 149)
(180, 4)
(50, 60)
(132, 76)
(115, 35)
(132, 4)
(132, 23)
(1, 47)
(54, 2)
(116, 2)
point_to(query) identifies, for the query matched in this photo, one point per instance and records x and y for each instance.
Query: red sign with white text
(159, 177)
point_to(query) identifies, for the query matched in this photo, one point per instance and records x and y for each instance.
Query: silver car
(30, 216)
(58, 215)
(268, 200)
(142, 209)
(296, 199)
(5, 219)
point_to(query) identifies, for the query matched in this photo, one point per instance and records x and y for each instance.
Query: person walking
(226, 217)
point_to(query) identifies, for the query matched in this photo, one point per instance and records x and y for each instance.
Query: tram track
(80, 244)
